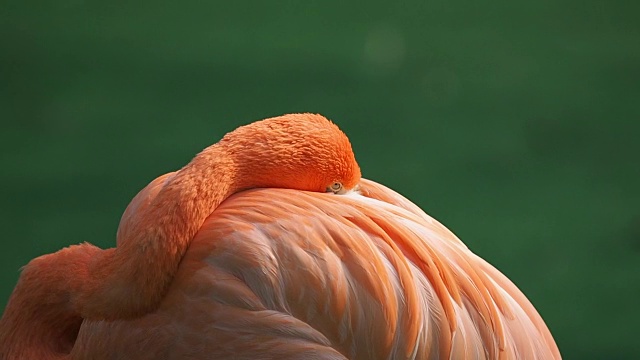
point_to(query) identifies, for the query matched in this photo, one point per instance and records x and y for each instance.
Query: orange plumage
(206, 269)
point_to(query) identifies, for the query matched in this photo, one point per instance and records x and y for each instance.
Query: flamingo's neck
(40, 321)
(57, 291)
(130, 280)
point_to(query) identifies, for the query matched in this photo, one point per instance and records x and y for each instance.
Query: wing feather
(286, 274)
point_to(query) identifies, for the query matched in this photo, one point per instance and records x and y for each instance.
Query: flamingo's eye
(335, 188)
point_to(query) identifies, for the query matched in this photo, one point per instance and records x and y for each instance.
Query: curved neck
(132, 279)
(40, 321)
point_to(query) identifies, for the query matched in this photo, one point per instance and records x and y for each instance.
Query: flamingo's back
(284, 274)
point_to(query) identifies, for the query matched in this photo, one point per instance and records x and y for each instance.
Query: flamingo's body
(289, 274)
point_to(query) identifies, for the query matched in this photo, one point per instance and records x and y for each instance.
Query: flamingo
(269, 245)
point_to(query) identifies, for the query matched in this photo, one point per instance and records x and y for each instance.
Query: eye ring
(335, 188)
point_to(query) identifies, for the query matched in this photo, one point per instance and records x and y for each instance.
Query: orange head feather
(295, 151)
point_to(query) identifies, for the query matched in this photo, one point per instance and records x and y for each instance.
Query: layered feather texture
(287, 274)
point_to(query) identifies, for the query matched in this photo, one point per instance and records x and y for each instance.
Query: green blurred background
(516, 124)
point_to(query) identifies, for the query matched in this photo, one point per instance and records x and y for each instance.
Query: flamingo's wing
(282, 274)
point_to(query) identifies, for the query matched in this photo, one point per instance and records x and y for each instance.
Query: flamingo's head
(295, 151)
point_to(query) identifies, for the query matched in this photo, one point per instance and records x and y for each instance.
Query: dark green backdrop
(514, 123)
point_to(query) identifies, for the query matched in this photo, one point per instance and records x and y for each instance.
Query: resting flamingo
(269, 245)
